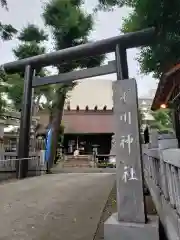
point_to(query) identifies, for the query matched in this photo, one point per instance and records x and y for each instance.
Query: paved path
(51, 207)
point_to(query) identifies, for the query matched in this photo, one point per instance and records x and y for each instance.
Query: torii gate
(131, 208)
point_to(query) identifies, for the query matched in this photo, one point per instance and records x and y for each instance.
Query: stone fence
(161, 160)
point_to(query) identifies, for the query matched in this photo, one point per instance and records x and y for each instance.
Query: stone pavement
(55, 206)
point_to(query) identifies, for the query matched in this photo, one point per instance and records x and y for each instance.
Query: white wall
(92, 92)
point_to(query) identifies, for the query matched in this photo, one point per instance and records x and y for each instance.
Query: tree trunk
(50, 116)
(55, 126)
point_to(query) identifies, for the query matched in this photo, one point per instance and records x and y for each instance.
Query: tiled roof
(91, 122)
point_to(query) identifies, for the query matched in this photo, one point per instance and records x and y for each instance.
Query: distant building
(85, 128)
(87, 118)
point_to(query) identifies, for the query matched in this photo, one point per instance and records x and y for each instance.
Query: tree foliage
(3, 90)
(31, 43)
(14, 89)
(28, 49)
(162, 120)
(108, 5)
(7, 31)
(4, 4)
(165, 16)
(31, 33)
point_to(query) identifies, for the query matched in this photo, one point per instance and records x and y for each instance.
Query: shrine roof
(88, 122)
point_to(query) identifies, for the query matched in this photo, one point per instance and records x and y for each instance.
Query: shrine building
(88, 117)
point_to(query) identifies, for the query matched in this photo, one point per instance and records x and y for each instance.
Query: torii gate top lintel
(130, 40)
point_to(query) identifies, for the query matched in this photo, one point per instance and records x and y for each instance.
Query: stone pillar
(130, 222)
(129, 165)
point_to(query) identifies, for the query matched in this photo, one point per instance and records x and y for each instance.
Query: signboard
(128, 153)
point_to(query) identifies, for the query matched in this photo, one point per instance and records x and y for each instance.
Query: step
(76, 165)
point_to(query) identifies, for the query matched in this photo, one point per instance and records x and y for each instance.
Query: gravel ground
(71, 205)
(54, 207)
(109, 208)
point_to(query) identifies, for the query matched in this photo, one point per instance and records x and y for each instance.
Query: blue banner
(48, 145)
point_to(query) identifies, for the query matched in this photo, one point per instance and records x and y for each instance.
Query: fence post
(165, 141)
(153, 138)
(130, 222)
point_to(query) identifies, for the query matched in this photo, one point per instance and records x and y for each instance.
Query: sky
(107, 24)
